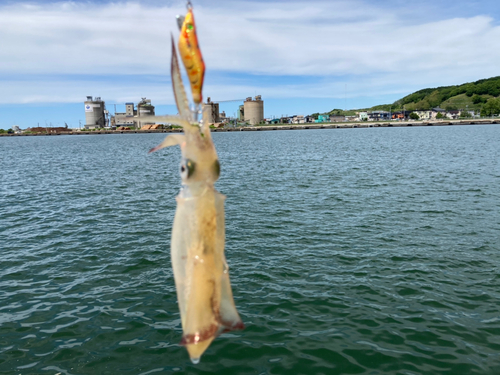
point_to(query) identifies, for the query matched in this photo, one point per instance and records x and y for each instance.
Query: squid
(199, 265)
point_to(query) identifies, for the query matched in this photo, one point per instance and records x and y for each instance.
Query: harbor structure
(95, 113)
(253, 110)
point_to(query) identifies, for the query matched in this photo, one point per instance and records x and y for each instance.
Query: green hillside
(472, 95)
(482, 95)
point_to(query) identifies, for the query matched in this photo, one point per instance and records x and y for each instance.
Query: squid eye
(187, 168)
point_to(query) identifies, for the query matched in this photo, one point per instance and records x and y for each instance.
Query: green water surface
(354, 251)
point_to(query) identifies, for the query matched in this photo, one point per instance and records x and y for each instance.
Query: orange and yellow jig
(191, 55)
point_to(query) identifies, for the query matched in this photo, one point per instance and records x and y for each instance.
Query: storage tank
(213, 111)
(144, 108)
(94, 113)
(254, 110)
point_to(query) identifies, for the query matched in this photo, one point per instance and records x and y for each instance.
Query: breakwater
(350, 125)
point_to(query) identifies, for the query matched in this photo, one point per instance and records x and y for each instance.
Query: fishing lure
(198, 235)
(191, 54)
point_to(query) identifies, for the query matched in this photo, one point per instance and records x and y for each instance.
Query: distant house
(323, 118)
(436, 111)
(398, 115)
(401, 115)
(453, 114)
(298, 119)
(309, 119)
(424, 115)
(363, 116)
(337, 118)
(378, 115)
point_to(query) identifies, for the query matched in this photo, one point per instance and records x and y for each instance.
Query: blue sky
(301, 56)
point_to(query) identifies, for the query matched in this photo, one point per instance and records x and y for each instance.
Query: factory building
(213, 111)
(144, 108)
(124, 118)
(95, 113)
(253, 110)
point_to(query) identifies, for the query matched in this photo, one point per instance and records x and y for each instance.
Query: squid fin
(205, 125)
(229, 317)
(170, 140)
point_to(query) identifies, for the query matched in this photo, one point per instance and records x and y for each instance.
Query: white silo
(95, 116)
(254, 110)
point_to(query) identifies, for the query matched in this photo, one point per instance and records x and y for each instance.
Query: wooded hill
(482, 95)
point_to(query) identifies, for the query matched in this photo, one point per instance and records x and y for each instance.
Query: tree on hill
(336, 111)
(492, 107)
(436, 96)
(476, 99)
(472, 94)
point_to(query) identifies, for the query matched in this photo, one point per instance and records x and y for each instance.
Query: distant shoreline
(371, 124)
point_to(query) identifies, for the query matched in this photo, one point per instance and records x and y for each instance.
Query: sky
(301, 56)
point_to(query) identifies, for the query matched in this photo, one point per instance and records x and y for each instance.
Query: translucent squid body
(198, 235)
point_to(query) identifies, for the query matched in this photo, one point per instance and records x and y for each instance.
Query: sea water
(351, 251)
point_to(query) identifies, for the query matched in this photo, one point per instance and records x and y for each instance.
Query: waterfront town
(250, 113)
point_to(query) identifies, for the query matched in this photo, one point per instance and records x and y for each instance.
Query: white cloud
(382, 49)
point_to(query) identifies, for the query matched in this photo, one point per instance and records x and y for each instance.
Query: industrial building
(95, 113)
(144, 108)
(213, 111)
(253, 110)
(241, 113)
